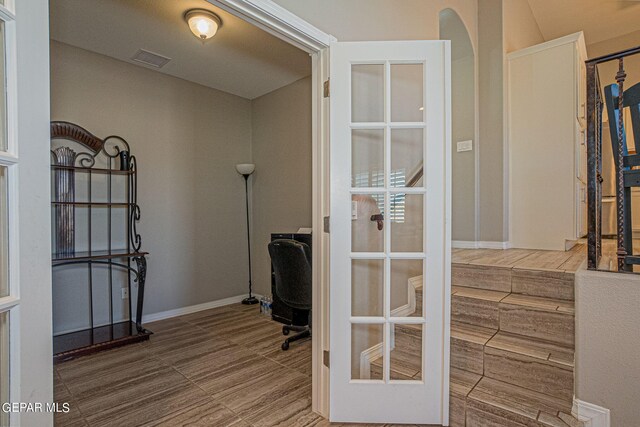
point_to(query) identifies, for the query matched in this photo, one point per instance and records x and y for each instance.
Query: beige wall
(614, 45)
(490, 146)
(520, 27)
(359, 20)
(608, 343)
(281, 184)
(463, 108)
(187, 139)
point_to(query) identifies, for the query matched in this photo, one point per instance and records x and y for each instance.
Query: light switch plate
(465, 146)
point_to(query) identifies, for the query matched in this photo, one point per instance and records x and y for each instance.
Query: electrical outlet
(125, 293)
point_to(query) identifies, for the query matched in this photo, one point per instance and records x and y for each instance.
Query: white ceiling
(241, 59)
(599, 19)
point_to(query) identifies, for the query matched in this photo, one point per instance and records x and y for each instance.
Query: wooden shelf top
(106, 204)
(96, 255)
(93, 170)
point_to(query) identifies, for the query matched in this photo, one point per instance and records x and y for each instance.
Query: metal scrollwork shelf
(95, 213)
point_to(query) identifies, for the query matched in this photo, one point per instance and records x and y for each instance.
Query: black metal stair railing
(616, 100)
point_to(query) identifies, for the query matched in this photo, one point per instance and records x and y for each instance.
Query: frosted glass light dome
(202, 23)
(245, 168)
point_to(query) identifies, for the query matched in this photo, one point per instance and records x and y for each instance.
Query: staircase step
(461, 384)
(530, 363)
(544, 318)
(404, 366)
(495, 403)
(477, 307)
(489, 277)
(467, 346)
(543, 283)
(408, 338)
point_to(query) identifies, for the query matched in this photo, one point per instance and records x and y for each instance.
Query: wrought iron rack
(625, 176)
(76, 152)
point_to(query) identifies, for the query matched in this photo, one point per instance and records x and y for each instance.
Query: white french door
(390, 231)
(9, 284)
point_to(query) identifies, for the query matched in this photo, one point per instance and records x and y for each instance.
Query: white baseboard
(592, 415)
(464, 244)
(170, 313)
(410, 307)
(194, 308)
(366, 357)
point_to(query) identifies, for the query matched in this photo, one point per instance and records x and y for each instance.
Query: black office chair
(291, 262)
(631, 100)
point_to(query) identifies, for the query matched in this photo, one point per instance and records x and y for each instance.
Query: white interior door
(390, 232)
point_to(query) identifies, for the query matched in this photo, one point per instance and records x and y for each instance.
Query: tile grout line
(210, 396)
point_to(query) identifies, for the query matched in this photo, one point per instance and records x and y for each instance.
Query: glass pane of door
(367, 355)
(407, 83)
(367, 287)
(4, 365)
(4, 234)
(406, 357)
(367, 90)
(3, 92)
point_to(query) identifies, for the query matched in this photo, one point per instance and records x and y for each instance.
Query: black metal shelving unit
(77, 153)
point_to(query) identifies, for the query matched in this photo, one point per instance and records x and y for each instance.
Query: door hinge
(326, 224)
(326, 88)
(325, 358)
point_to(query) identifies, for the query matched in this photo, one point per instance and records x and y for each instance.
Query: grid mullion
(387, 221)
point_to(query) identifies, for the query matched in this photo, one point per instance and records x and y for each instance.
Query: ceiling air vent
(149, 58)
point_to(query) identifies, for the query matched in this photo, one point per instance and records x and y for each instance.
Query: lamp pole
(246, 169)
(251, 299)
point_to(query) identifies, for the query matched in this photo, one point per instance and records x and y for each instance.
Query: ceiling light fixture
(202, 23)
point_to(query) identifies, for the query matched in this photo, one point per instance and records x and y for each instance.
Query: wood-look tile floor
(220, 367)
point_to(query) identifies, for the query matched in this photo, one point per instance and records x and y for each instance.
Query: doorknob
(379, 218)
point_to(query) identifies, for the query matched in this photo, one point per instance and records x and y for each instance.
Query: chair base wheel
(285, 346)
(285, 330)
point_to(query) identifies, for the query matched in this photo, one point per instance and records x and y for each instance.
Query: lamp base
(250, 301)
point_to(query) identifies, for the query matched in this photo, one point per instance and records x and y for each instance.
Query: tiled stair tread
(541, 303)
(472, 333)
(496, 257)
(406, 364)
(409, 329)
(462, 382)
(523, 258)
(482, 294)
(497, 397)
(532, 347)
(551, 260)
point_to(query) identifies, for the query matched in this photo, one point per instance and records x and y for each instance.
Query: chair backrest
(291, 262)
(631, 100)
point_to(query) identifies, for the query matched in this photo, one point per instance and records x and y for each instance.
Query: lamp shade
(245, 168)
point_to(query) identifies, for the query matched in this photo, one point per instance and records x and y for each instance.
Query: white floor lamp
(246, 169)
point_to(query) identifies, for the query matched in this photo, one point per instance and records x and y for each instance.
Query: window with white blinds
(375, 179)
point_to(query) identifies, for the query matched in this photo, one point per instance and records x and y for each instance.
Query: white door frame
(283, 24)
(32, 377)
